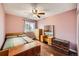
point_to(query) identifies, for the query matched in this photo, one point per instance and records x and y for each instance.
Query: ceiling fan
(37, 12)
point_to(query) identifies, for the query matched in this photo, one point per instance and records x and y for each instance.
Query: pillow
(22, 35)
(28, 39)
(30, 34)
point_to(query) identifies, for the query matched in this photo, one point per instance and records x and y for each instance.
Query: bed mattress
(15, 41)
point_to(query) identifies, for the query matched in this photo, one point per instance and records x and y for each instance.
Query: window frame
(25, 25)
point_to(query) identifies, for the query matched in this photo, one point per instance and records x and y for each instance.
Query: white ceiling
(25, 9)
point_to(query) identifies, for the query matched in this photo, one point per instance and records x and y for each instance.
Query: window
(29, 26)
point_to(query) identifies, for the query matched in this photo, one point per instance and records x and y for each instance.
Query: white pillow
(22, 35)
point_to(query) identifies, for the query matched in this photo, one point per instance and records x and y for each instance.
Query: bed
(21, 45)
(16, 41)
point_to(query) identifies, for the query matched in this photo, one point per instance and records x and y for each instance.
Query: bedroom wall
(65, 26)
(2, 25)
(14, 24)
(78, 28)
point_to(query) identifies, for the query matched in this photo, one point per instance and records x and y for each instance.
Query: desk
(47, 39)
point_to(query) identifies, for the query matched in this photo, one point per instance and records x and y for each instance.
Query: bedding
(15, 41)
(27, 39)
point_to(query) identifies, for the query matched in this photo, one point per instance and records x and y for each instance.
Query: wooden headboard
(11, 34)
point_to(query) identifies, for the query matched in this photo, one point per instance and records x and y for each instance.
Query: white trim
(77, 29)
(73, 50)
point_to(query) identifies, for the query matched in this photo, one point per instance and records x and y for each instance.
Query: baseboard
(73, 50)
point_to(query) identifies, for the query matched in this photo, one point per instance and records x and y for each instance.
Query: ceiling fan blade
(38, 16)
(41, 13)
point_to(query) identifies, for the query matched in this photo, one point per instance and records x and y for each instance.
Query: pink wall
(65, 26)
(78, 28)
(2, 25)
(14, 24)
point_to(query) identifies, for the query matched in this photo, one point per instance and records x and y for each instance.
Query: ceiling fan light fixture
(34, 11)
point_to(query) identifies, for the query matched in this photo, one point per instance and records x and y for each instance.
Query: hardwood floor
(47, 50)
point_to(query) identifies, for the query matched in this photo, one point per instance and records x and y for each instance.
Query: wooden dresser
(61, 45)
(38, 33)
(49, 39)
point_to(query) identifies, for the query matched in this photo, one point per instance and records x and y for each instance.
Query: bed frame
(22, 50)
(11, 34)
(25, 51)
